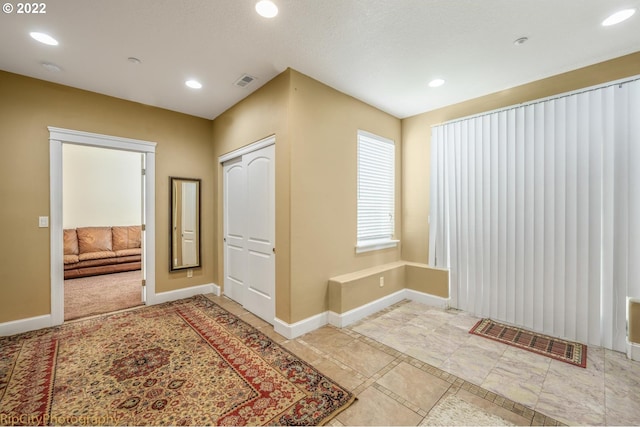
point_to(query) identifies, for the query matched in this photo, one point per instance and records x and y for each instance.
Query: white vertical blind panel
(596, 138)
(633, 286)
(539, 170)
(608, 230)
(621, 216)
(536, 211)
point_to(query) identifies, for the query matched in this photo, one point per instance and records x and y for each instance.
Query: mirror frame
(173, 238)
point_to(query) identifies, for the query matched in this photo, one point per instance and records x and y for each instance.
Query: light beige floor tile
(622, 371)
(374, 408)
(443, 341)
(414, 385)
(518, 375)
(573, 394)
(464, 321)
(302, 351)
(400, 338)
(622, 389)
(334, 422)
(472, 363)
(432, 319)
(345, 377)
(271, 333)
(253, 320)
(494, 409)
(362, 357)
(327, 338)
(486, 344)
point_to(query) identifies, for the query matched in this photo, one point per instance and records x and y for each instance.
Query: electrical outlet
(43, 221)
(190, 272)
(381, 281)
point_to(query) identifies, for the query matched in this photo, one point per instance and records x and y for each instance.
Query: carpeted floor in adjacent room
(88, 296)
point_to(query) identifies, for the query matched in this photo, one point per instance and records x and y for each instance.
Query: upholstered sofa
(89, 251)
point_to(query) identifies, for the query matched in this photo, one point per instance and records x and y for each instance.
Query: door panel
(234, 229)
(260, 284)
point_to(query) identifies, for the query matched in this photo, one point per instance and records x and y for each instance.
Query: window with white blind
(376, 192)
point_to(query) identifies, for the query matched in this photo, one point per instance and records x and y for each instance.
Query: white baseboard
(294, 330)
(216, 289)
(25, 325)
(352, 316)
(633, 351)
(159, 298)
(341, 320)
(427, 299)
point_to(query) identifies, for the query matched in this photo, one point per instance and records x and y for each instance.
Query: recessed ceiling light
(618, 17)
(44, 38)
(521, 40)
(50, 67)
(436, 83)
(193, 84)
(266, 8)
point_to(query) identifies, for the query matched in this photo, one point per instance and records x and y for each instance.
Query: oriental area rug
(188, 362)
(555, 348)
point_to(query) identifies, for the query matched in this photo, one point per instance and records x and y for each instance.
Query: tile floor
(412, 364)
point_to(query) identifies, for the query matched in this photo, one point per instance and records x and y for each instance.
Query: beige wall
(324, 125)
(634, 322)
(262, 114)
(416, 134)
(27, 107)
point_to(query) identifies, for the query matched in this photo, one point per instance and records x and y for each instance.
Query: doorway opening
(103, 193)
(146, 152)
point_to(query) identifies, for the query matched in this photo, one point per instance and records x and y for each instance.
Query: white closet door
(259, 297)
(235, 264)
(249, 231)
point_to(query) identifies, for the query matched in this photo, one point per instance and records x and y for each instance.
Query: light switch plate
(43, 221)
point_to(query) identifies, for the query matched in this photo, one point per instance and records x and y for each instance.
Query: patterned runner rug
(187, 362)
(566, 351)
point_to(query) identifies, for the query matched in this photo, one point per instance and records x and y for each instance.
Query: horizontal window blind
(376, 187)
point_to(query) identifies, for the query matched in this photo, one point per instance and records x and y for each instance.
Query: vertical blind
(535, 210)
(376, 184)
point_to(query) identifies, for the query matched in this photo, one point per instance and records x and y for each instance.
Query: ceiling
(383, 52)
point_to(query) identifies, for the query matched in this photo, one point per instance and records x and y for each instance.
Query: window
(376, 192)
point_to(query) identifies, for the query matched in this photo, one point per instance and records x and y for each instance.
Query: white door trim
(58, 136)
(265, 142)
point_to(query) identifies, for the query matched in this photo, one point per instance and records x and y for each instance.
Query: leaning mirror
(185, 223)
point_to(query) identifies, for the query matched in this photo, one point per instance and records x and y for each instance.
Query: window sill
(374, 245)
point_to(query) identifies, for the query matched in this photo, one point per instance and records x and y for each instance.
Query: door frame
(265, 142)
(59, 136)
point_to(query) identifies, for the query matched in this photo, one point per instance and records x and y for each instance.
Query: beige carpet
(88, 296)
